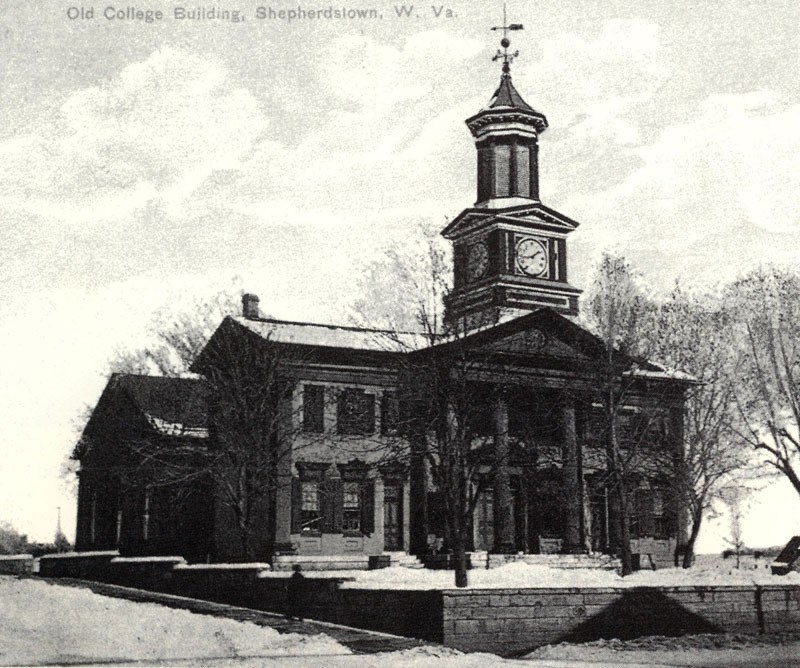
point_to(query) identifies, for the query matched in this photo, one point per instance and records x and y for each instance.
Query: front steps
(360, 562)
(339, 562)
(562, 561)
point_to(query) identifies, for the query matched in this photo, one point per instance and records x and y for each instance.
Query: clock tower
(509, 249)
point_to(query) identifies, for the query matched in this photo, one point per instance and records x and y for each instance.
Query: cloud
(713, 196)
(157, 130)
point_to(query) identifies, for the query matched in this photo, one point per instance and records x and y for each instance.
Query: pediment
(533, 216)
(536, 342)
(534, 338)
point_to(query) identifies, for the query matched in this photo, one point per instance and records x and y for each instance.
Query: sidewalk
(360, 641)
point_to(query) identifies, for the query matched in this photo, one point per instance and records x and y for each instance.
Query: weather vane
(505, 42)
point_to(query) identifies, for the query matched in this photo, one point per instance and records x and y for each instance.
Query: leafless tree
(765, 310)
(692, 333)
(176, 334)
(735, 498)
(615, 309)
(249, 383)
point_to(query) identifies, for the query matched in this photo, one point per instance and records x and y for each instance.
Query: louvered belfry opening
(508, 166)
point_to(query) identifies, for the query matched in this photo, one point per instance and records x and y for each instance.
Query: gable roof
(556, 337)
(332, 336)
(563, 339)
(172, 406)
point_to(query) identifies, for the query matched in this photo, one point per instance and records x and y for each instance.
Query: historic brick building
(348, 479)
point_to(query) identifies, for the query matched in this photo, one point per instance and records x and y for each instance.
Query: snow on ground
(520, 575)
(706, 650)
(41, 623)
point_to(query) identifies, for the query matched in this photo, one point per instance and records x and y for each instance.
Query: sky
(144, 165)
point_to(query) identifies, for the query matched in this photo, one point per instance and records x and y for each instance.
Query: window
(390, 413)
(642, 516)
(357, 499)
(310, 515)
(309, 498)
(355, 412)
(314, 408)
(351, 520)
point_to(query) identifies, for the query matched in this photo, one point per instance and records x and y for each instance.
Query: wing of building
(346, 456)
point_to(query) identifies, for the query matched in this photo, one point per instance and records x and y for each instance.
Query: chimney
(250, 306)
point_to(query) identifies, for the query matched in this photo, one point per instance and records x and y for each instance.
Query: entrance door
(393, 517)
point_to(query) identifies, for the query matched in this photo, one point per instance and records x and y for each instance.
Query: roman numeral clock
(509, 249)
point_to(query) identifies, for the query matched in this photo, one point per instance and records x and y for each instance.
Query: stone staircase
(404, 560)
(562, 561)
(340, 562)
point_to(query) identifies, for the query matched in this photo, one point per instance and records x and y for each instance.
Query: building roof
(658, 372)
(507, 96)
(173, 406)
(333, 336)
(507, 105)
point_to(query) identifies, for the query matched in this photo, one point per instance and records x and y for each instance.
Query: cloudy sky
(143, 165)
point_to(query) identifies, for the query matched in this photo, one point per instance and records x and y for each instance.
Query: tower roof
(507, 96)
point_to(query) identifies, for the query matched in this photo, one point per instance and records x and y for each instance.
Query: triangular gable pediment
(542, 334)
(534, 216)
(536, 342)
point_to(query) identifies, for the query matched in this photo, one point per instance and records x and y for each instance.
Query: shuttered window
(390, 413)
(642, 521)
(313, 409)
(355, 412)
(367, 490)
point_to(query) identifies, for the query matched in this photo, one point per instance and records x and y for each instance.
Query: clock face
(477, 260)
(531, 257)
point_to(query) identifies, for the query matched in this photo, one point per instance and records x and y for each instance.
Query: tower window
(522, 171)
(502, 170)
(484, 173)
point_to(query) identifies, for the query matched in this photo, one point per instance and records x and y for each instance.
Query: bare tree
(765, 308)
(615, 310)
(249, 383)
(735, 498)
(177, 335)
(692, 333)
(404, 288)
(443, 416)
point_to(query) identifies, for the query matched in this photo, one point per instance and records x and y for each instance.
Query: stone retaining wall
(514, 621)
(16, 564)
(82, 565)
(504, 621)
